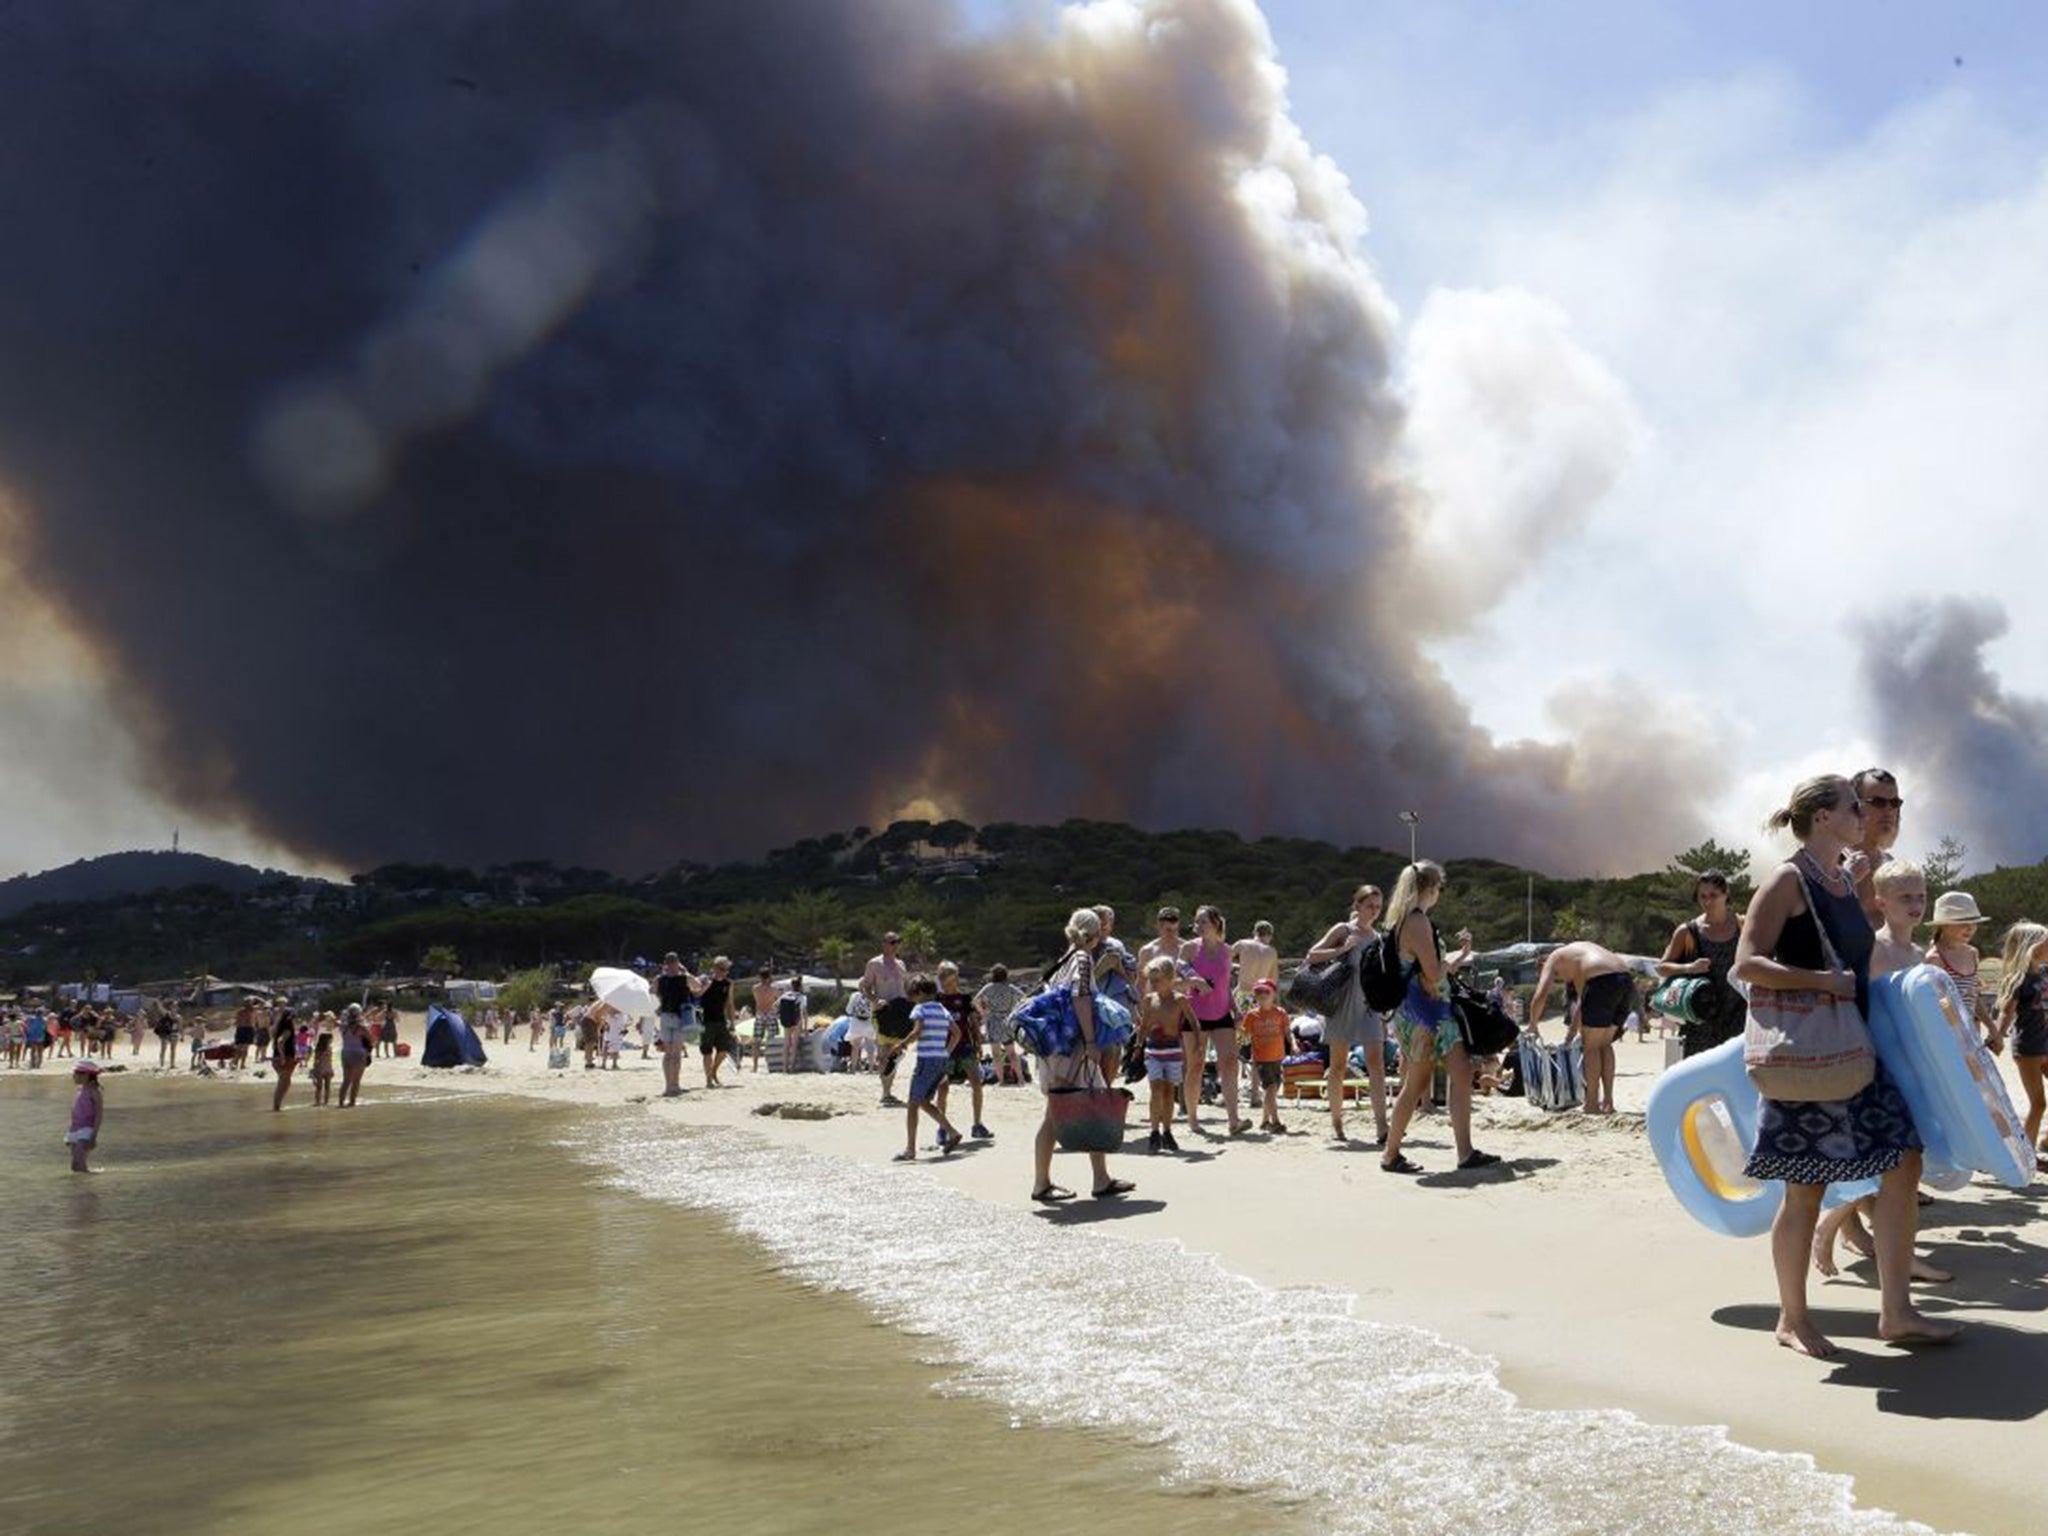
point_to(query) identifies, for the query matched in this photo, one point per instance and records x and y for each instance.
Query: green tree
(524, 991)
(838, 954)
(440, 962)
(805, 919)
(1701, 857)
(1566, 924)
(920, 941)
(1944, 866)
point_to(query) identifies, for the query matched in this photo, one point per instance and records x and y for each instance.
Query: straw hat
(1956, 907)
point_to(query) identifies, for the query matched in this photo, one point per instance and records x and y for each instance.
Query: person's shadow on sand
(1084, 1211)
(1993, 1373)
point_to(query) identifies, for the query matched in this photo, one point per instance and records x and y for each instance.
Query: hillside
(977, 895)
(126, 874)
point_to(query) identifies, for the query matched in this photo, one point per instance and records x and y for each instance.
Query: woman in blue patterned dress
(1810, 1145)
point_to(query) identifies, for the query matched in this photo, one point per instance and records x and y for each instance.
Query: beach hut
(450, 1040)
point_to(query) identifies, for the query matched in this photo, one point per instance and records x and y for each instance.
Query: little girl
(1955, 923)
(614, 1038)
(323, 1067)
(1162, 1013)
(2023, 1009)
(86, 1111)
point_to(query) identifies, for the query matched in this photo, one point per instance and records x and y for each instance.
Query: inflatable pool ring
(1701, 1120)
(1678, 998)
(1702, 1113)
(1949, 1079)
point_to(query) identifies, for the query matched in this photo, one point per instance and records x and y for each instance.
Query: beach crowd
(1200, 1020)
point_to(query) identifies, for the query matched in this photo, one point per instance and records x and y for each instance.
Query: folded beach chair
(1553, 1075)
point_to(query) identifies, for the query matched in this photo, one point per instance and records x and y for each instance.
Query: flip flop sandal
(1115, 1189)
(1052, 1194)
(1480, 1160)
(1400, 1165)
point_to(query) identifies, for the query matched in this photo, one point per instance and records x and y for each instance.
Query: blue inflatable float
(1702, 1113)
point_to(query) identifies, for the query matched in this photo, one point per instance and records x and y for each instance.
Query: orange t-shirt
(1268, 1029)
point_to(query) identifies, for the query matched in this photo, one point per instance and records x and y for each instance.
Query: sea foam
(1371, 1428)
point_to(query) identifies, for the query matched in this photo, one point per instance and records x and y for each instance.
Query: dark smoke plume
(626, 429)
(1982, 752)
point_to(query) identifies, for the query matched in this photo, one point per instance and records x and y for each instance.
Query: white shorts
(860, 1029)
(82, 1135)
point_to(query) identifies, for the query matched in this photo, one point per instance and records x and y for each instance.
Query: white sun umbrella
(626, 991)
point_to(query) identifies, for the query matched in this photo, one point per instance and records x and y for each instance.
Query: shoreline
(1574, 1270)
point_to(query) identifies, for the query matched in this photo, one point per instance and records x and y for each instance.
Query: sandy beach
(1572, 1266)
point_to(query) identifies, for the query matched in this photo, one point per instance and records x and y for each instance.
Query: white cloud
(1840, 353)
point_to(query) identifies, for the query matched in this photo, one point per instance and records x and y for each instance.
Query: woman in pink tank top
(1208, 956)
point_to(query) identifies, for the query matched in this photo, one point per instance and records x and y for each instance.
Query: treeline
(977, 895)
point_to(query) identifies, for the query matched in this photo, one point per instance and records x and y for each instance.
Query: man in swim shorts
(1257, 961)
(885, 983)
(1606, 992)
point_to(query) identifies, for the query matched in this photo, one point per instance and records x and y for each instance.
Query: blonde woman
(1426, 1021)
(1351, 1023)
(1805, 908)
(2023, 1014)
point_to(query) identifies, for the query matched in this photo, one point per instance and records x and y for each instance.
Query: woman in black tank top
(1704, 946)
(1812, 1145)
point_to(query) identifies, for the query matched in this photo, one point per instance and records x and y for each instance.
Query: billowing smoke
(636, 430)
(1980, 752)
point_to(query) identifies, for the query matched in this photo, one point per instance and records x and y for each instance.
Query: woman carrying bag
(1071, 1055)
(1352, 1023)
(1830, 1113)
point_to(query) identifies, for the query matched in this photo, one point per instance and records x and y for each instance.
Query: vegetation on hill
(999, 892)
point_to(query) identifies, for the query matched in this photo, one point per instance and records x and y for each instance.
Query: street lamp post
(1411, 820)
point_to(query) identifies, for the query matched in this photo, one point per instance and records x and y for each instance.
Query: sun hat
(88, 1066)
(1956, 907)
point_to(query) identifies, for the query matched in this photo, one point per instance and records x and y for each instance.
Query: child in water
(86, 1111)
(2023, 1011)
(323, 1068)
(1163, 1012)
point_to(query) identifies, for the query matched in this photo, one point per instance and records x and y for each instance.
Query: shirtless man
(885, 983)
(1257, 961)
(1606, 992)
(1168, 942)
(1879, 792)
(767, 994)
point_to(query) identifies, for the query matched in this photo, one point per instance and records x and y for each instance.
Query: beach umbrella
(626, 991)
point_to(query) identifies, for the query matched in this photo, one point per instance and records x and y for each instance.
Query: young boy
(1901, 889)
(1267, 1026)
(1162, 1013)
(936, 1037)
(86, 1111)
(1902, 899)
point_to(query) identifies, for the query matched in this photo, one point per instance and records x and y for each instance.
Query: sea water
(442, 1314)
(1366, 1428)
(449, 1313)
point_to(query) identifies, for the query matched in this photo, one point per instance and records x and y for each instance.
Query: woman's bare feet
(1824, 1254)
(1804, 1339)
(1927, 1274)
(1913, 1327)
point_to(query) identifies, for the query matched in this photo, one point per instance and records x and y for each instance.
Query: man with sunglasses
(1879, 792)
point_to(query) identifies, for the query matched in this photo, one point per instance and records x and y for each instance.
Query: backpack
(789, 1010)
(1380, 976)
